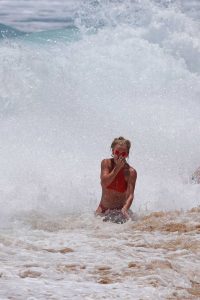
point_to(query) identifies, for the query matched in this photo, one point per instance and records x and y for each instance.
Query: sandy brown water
(154, 256)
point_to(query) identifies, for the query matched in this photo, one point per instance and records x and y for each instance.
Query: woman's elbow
(103, 183)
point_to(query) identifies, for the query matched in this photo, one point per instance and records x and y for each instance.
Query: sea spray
(62, 103)
(107, 68)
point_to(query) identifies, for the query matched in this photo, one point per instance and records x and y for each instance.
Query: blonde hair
(121, 141)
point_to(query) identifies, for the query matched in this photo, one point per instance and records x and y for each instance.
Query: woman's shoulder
(132, 171)
(107, 162)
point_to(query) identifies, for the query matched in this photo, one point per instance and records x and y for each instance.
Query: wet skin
(112, 199)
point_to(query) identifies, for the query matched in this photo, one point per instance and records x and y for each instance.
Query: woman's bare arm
(108, 176)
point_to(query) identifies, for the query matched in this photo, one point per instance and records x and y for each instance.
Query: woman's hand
(125, 212)
(120, 163)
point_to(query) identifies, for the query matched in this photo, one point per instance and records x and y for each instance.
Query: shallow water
(80, 257)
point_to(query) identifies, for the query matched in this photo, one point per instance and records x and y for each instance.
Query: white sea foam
(132, 74)
(63, 104)
(84, 258)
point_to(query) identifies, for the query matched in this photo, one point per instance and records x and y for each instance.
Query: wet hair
(121, 141)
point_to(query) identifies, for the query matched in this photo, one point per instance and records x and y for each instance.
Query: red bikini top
(119, 184)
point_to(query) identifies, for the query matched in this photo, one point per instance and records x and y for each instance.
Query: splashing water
(62, 103)
(73, 76)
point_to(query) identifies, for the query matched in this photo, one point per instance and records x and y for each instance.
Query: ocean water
(73, 76)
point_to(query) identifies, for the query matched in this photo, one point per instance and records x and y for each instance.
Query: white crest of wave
(61, 106)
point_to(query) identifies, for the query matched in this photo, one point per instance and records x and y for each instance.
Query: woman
(118, 179)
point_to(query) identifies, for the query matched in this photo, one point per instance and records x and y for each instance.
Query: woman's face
(120, 151)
